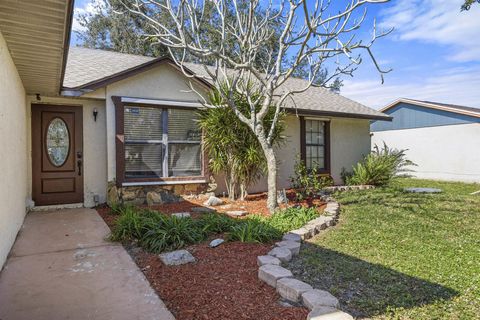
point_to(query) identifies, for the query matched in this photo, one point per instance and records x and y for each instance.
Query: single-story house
(442, 139)
(79, 125)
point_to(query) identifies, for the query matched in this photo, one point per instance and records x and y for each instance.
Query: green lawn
(397, 255)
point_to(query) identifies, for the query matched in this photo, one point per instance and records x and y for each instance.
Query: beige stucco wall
(13, 157)
(350, 141)
(163, 82)
(94, 146)
(449, 153)
(350, 138)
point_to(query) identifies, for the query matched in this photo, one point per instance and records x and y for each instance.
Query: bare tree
(312, 32)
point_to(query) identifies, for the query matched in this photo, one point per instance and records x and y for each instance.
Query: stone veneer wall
(153, 194)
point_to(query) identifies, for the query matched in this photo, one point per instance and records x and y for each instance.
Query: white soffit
(37, 35)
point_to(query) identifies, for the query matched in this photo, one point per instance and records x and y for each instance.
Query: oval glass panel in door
(58, 142)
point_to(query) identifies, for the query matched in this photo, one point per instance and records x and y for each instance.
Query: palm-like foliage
(380, 167)
(231, 145)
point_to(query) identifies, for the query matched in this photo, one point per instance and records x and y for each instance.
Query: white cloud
(89, 6)
(455, 85)
(438, 22)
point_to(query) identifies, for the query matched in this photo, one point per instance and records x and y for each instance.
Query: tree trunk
(243, 191)
(272, 173)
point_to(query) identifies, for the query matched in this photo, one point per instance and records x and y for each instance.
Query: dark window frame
(120, 149)
(303, 143)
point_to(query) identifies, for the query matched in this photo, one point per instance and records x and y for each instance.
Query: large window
(315, 147)
(160, 143)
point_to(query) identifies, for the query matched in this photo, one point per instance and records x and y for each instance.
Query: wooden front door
(57, 154)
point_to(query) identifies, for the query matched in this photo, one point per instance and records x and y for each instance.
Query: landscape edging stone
(315, 226)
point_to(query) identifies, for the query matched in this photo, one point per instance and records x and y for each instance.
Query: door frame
(36, 148)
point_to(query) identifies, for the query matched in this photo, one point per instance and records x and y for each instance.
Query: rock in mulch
(181, 214)
(202, 210)
(237, 213)
(176, 258)
(423, 190)
(213, 201)
(216, 243)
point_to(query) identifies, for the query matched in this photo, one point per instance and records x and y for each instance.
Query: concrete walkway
(61, 267)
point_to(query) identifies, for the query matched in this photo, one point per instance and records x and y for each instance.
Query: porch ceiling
(37, 34)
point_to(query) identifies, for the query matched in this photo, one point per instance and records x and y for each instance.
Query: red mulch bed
(222, 284)
(254, 203)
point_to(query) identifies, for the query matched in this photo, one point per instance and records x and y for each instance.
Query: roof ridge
(113, 52)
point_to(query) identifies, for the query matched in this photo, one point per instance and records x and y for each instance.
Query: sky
(434, 51)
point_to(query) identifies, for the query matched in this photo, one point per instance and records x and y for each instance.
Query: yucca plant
(380, 167)
(231, 145)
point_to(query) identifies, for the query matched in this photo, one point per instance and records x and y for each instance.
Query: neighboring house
(107, 124)
(442, 139)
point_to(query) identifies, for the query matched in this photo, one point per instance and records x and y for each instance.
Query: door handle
(79, 162)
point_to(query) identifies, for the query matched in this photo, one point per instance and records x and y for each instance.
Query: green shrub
(308, 183)
(255, 228)
(214, 223)
(129, 225)
(157, 232)
(292, 218)
(119, 208)
(171, 233)
(380, 167)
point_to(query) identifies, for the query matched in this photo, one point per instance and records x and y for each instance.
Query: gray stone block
(293, 246)
(328, 313)
(282, 253)
(202, 210)
(304, 233)
(312, 228)
(175, 258)
(213, 201)
(319, 223)
(292, 289)
(263, 260)
(423, 190)
(291, 237)
(317, 298)
(237, 213)
(271, 273)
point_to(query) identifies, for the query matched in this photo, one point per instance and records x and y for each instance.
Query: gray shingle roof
(85, 66)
